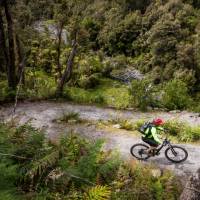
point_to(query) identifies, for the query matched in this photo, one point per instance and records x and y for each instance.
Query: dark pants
(151, 142)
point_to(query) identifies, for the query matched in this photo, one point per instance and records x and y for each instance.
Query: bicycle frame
(165, 143)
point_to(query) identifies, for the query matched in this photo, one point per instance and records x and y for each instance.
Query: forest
(141, 55)
(74, 50)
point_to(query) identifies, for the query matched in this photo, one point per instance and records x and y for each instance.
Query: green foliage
(93, 28)
(6, 94)
(42, 54)
(176, 95)
(72, 169)
(39, 86)
(70, 116)
(119, 36)
(108, 92)
(98, 193)
(142, 92)
(138, 124)
(157, 37)
(182, 131)
(124, 123)
(37, 165)
(137, 182)
(89, 82)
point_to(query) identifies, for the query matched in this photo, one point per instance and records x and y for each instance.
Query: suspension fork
(172, 149)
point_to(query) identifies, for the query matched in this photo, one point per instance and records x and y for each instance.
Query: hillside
(77, 80)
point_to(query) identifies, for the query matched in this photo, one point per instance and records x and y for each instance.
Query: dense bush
(157, 37)
(89, 82)
(34, 168)
(142, 92)
(108, 92)
(176, 95)
(120, 38)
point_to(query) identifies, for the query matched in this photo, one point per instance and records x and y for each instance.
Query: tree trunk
(20, 64)
(3, 43)
(192, 188)
(68, 70)
(11, 65)
(59, 69)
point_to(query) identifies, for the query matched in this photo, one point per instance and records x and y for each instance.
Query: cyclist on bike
(152, 134)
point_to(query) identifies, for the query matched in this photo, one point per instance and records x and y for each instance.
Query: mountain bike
(173, 153)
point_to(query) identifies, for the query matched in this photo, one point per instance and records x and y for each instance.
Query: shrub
(39, 85)
(176, 95)
(70, 116)
(142, 93)
(108, 92)
(124, 123)
(174, 127)
(87, 82)
(182, 131)
(80, 95)
(90, 65)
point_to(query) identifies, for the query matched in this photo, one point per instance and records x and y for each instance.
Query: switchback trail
(43, 114)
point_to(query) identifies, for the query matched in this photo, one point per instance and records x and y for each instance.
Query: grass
(108, 92)
(177, 131)
(70, 117)
(38, 86)
(41, 86)
(123, 124)
(183, 132)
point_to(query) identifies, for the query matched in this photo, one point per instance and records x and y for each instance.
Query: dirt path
(42, 115)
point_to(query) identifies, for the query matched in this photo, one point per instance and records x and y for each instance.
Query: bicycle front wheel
(176, 154)
(140, 151)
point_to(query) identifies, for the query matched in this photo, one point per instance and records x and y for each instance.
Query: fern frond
(98, 193)
(39, 166)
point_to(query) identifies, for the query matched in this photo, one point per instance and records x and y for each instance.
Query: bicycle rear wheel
(176, 154)
(139, 151)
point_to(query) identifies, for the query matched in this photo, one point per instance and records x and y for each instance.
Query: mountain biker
(151, 135)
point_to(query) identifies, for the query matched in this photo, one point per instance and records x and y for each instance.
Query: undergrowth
(31, 167)
(178, 130)
(108, 92)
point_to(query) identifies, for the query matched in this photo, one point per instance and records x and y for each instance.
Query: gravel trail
(43, 114)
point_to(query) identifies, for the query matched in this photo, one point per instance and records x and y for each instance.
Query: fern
(39, 166)
(98, 193)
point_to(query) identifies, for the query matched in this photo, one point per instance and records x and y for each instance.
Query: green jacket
(154, 133)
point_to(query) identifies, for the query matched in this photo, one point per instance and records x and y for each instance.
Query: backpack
(144, 127)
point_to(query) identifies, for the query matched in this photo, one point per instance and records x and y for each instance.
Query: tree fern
(98, 193)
